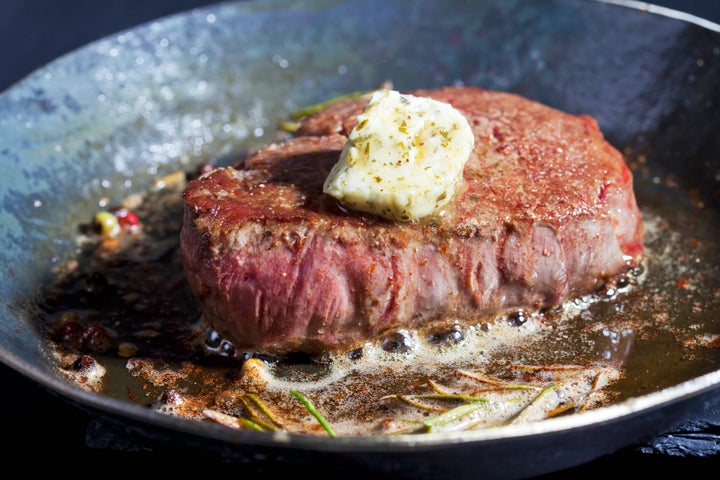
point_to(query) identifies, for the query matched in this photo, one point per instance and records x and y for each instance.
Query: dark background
(35, 32)
(43, 433)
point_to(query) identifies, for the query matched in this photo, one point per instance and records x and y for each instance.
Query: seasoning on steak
(547, 213)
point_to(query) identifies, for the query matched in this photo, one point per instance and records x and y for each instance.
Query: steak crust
(547, 213)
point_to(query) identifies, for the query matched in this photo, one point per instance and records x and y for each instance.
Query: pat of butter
(404, 159)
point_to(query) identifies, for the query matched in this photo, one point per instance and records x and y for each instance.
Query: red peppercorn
(98, 339)
(70, 334)
(126, 219)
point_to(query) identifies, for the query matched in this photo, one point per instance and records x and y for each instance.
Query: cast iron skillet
(110, 117)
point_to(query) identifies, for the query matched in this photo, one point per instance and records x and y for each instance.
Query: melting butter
(404, 159)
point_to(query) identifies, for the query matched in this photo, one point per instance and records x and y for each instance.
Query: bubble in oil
(447, 338)
(398, 342)
(214, 343)
(355, 354)
(517, 318)
(615, 345)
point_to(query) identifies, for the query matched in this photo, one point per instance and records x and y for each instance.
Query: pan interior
(120, 114)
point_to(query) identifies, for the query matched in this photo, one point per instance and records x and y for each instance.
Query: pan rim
(616, 412)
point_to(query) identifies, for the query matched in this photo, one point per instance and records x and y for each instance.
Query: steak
(547, 213)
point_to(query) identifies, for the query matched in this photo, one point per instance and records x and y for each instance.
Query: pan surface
(115, 115)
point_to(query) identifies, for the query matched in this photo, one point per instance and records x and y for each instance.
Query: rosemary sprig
(490, 407)
(452, 415)
(254, 417)
(410, 400)
(522, 416)
(548, 368)
(436, 386)
(451, 411)
(560, 409)
(252, 425)
(311, 408)
(292, 126)
(316, 107)
(448, 396)
(495, 383)
(504, 387)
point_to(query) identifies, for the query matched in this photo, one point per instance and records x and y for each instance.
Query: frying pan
(111, 117)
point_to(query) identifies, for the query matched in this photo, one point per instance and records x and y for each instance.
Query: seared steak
(547, 213)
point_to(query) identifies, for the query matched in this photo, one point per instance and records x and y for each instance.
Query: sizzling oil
(121, 321)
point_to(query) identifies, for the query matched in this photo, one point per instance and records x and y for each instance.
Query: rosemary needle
(452, 415)
(309, 110)
(250, 397)
(522, 416)
(311, 408)
(252, 425)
